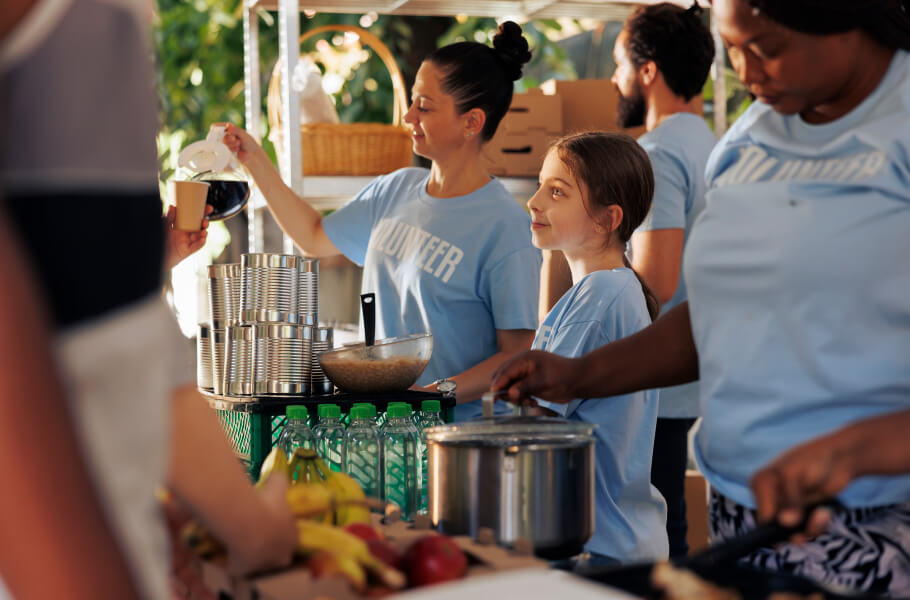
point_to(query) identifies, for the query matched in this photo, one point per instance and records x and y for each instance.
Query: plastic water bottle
(330, 435)
(429, 416)
(401, 460)
(296, 434)
(360, 451)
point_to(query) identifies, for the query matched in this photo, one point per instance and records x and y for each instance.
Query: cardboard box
(696, 511)
(533, 121)
(588, 105)
(517, 154)
(533, 110)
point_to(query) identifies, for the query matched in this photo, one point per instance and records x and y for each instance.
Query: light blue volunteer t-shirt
(678, 148)
(460, 268)
(630, 514)
(799, 285)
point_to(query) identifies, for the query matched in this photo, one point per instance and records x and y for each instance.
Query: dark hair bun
(512, 48)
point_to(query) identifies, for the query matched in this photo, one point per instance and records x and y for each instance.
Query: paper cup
(189, 196)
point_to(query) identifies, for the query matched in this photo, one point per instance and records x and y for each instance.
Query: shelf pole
(718, 73)
(288, 51)
(252, 96)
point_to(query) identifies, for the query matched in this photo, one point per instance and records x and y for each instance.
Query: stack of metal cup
(238, 359)
(204, 358)
(308, 292)
(224, 299)
(322, 341)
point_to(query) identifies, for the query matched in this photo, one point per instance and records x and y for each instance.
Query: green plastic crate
(254, 424)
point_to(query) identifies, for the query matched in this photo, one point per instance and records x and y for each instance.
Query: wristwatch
(446, 387)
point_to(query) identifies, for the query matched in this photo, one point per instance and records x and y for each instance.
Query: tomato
(363, 531)
(434, 559)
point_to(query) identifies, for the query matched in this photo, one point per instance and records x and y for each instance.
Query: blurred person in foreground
(798, 318)
(78, 176)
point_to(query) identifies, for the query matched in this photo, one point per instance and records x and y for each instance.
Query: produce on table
(326, 564)
(382, 550)
(323, 501)
(434, 559)
(363, 531)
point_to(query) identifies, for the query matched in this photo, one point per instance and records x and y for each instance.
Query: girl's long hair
(616, 170)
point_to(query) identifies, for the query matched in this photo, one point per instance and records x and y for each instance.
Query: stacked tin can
(224, 298)
(266, 308)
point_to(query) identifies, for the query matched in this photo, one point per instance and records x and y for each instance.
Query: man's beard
(630, 110)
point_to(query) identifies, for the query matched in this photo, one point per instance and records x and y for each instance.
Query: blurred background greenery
(199, 47)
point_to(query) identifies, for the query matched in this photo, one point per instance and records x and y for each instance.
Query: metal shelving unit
(330, 192)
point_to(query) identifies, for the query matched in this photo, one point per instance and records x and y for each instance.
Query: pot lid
(512, 430)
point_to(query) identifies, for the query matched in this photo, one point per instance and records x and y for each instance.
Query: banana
(310, 501)
(348, 495)
(275, 463)
(313, 536)
(352, 571)
(299, 459)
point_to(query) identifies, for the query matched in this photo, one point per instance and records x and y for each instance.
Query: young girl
(595, 189)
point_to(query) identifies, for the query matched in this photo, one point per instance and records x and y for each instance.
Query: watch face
(445, 387)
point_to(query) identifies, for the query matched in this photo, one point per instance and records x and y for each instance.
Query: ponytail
(651, 300)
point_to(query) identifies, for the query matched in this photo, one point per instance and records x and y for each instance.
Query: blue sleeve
(350, 226)
(512, 287)
(574, 340)
(671, 192)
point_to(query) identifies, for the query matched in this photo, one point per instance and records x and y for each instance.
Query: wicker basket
(349, 148)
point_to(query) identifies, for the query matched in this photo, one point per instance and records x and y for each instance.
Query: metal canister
(308, 288)
(238, 378)
(269, 288)
(224, 294)
(218, 341)
(281, 358)
(322, 341)
(204, 358)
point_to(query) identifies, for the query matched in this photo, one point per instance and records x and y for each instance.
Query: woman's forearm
(297, 218)
(661, 355)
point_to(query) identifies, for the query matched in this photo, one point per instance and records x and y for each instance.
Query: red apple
(434, 559)
(385, 552)
(363, 531)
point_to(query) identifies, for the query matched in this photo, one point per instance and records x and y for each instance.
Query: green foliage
(544, 52)
(199, 45)
(738, 98)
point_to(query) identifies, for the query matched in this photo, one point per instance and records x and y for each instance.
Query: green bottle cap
(367, 404)
(430, 406)
(297, 412)
(330, 411)
(398, 409)
(362, 411)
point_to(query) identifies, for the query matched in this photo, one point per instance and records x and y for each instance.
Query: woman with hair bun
(446, 249)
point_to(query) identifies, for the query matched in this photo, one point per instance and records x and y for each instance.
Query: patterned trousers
(866, 550)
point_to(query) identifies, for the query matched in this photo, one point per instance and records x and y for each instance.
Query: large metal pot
(521, 477)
